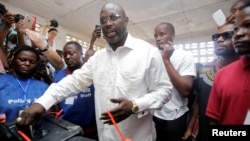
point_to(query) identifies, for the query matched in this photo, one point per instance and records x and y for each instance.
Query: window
(203, 52)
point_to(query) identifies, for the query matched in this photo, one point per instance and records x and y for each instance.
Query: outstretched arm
(52, 56)
(45, 29)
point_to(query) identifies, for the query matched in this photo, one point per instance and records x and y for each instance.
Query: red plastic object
(117, 128)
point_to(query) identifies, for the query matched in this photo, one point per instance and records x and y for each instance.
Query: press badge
(70, 100)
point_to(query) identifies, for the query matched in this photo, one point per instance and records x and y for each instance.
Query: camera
(2, 9)
(54, 23)
(98, 27)
(18, 17)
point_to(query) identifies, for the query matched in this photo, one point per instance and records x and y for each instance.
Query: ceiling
(192, 18)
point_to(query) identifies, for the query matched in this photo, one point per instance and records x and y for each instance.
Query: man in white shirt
(129, 78)
(171, 120)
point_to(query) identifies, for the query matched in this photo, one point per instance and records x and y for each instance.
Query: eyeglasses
(226, 35)
(111, 18)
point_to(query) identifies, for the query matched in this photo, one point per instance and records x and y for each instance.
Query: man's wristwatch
(135, 108)
(45, 49)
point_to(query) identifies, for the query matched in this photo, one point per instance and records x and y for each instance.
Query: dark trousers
(170, 130)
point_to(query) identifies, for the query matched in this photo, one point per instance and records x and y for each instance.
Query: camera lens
(18, 17)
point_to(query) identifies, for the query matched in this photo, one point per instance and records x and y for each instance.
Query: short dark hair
(17, 49)
(170, 27)
(78, 45)
(52, 29)
(3, 10)
(246, 5)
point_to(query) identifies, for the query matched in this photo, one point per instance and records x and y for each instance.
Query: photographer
(50, 32)
(2, 54)
(16, 34)
(11, 34)
(7, 19)
(2, 13)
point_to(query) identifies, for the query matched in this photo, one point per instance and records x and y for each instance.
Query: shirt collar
(245, 62)
(128, 43)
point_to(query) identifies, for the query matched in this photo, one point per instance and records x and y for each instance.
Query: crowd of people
(147, 88)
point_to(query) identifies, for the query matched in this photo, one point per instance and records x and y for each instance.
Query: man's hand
(187, 135)
(9, 19)
(121, 112)
(20, 26)
(2, 118)
(96, 34)
(36, 38)
(30, 115)
(167, 50)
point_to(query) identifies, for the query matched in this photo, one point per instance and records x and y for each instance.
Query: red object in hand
(117, 128)
(57, 114)
(24, 136)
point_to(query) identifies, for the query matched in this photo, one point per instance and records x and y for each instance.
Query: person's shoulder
(183, 52)
(138, 43)
(100, 52)
(229, 70)
(141, 41)
(5, 75)
(183, 56)
(59, 74)
(230, 66)
(60, 71)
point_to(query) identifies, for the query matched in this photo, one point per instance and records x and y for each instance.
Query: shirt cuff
(142, 112)
(46, 101)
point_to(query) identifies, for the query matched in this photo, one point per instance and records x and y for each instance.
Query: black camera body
(18, 17)
(54, 23)
(2, 9)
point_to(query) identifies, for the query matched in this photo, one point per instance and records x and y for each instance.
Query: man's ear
(126, 20)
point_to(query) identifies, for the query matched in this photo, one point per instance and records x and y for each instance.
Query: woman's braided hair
(16, 50)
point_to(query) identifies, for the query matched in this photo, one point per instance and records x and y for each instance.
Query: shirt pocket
(131, 74)
(130, 79)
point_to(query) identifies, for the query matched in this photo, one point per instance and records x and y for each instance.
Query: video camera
(2, 9)
(54, 23)
(18, 17)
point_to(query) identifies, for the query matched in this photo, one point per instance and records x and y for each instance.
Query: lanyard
(24, 89)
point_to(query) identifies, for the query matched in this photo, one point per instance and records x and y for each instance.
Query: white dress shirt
(134, 71)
